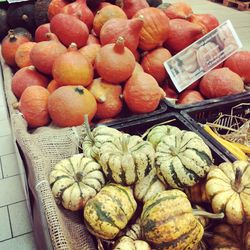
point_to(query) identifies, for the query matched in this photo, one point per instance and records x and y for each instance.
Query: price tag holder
(203, 55)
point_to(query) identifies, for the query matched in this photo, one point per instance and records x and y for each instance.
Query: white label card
(203, 55)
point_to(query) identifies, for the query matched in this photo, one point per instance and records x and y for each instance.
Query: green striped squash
(75, 180)
(109, 211)
(146, 188)
(159, 132)
(93, 140)
(182, 159)
(167, 222)
(127, 159)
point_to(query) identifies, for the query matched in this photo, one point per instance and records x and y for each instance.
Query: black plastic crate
(239, 108)
(179, 107)
(126, 116)
(139, 127)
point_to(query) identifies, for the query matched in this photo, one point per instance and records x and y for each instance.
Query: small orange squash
(22, 56)
(155, 28)
(72, 68)
(68, 104)
(34, 106)
(10, 45)
(106, 13)
(142, 93)
(115, 63)
(26, 77)
(44, 54)
(109, 103)
(152, 63)
(55, 7)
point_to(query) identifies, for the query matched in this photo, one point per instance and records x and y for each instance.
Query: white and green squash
(159, 132)
(182, 159)
(75, 180)
(127, 159)
(109, 211)
(146, 188)
(93, 140)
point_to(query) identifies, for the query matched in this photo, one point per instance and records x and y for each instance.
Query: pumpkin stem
(101, 99)
(119, 45)
(25, 18)
(87, 127)
(15, 105)
(237, 181)
(11, 35)
(199, 212)
(72, 47)
(174, 151)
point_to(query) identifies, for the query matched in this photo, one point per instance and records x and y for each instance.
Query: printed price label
(203, 55)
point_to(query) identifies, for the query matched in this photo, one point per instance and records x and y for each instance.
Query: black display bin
(140, 126)
(179, 107)
(239, 107)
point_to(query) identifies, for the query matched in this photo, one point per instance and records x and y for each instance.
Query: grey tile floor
(15, 224)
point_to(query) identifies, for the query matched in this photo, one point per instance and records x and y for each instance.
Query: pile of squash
(142, 194)
(106, 59)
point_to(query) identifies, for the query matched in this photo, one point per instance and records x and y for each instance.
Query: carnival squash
(127, 159)
(228, 190)
(109, 211)
(94, 140)
(75, 180)
(159, 132)
(182, 159)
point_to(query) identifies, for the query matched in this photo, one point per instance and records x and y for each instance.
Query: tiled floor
(15, 225)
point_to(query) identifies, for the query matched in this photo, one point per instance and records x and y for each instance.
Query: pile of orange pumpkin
(96, 61)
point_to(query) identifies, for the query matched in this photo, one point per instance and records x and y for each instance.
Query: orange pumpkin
(115, 63)
(44, 54)
(68, 104)
(106, 13)
(155, 28)
(142, 93)
(34, 106)
(26, 77)
(72, 68)
(109, 103)
(52, 86)
(22, 56)
(10, 45)
(55, 7)
(152, 63)
(90, 52)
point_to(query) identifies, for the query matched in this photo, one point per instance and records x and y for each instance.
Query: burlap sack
(54, 227)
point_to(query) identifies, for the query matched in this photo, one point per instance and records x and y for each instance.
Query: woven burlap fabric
(42, 149)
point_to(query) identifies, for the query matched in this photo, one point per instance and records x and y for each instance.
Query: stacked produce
(111, 54)
(142, 194)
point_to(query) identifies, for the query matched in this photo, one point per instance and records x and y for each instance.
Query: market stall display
(109, 163)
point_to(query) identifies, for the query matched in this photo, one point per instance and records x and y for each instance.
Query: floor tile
(24, 242)
(9, 165)
(5, 231)
(6, 145)
(19, 218)
(11, 191)
(1, 170)
(3, 113)
(5, 127)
